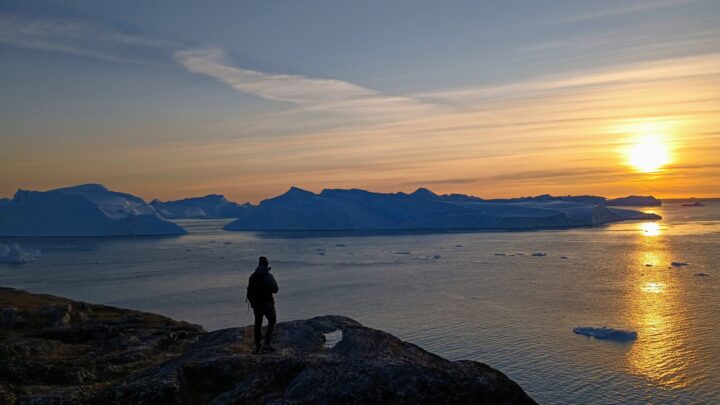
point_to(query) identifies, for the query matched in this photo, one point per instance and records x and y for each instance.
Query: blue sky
(169, 99)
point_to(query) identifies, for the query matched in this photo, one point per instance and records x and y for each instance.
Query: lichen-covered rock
(115, 356)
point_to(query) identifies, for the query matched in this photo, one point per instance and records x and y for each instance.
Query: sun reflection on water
(650, 228)
(661, 353)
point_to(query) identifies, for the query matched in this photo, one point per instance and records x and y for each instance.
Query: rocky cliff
(54, 350)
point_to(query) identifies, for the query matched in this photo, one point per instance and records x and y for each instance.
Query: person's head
(263, 262)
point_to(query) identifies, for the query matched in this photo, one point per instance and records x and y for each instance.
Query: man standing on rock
(260, 290)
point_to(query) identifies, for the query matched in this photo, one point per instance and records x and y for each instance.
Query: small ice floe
(702, 275)
(679, 264)
(606, 333)
(332, 338)
(500, 254)
(15, 254)
(340, 245)
(539, 254)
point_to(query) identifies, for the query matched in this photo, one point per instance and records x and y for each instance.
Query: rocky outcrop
(58, 351)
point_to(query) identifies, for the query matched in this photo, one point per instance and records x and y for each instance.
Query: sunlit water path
(480, 296)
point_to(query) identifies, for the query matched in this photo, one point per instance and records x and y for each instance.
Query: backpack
(256, 290)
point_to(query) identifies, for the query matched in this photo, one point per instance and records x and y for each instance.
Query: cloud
(296, 89)
(708, 64)
(626, 8)
(77, 37)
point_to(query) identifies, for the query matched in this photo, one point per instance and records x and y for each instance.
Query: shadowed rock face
(133, 357)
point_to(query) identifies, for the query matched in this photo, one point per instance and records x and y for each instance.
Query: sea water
(478, 296)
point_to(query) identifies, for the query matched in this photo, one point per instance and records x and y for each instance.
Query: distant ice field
(489, 296)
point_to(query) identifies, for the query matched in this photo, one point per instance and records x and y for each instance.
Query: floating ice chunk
(606, 333)
(332, 338)
(15, 254)
(702, 275)
(679, 264)
(538, 254)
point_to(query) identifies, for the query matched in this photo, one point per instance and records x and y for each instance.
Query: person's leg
(258, 328)
(272, 318)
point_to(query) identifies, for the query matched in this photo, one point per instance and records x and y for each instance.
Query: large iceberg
(85, 210)
(209, 206)
(636, 201)
(335, 209)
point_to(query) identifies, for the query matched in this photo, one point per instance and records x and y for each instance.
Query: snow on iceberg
(15, 254)
(606, 333)
(85, 210)
(355, 209)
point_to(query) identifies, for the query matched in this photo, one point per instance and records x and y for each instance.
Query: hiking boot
(268, 349)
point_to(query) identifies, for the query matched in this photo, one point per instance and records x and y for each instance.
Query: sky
(171, 99)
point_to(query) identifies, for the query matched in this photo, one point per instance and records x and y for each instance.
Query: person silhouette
(260, 290)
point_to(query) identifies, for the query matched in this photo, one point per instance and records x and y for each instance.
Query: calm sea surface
(479, 296)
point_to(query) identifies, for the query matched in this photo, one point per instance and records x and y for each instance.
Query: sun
(648, 154)
(647, 143)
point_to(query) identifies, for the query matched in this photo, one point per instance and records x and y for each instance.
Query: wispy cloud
(296, 89)
(638, 73)
(627, 7)
(77, 37)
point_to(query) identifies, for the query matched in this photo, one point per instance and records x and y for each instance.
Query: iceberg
(209, 206)
(354, 209)
(15, 254)
(606, 333)
(85, 210)
(635, 201)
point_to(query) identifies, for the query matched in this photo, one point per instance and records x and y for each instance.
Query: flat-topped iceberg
(209, 206)
(85, 210)
(606, 333)
(334, 209)
(636, 200)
